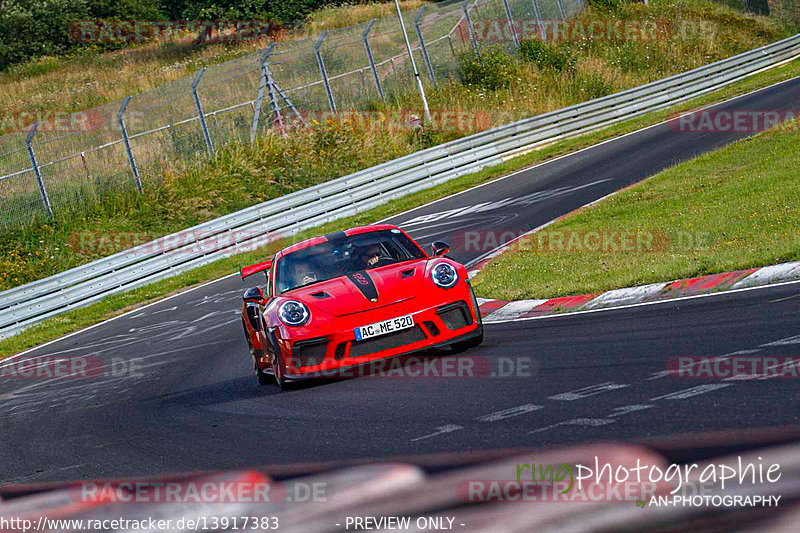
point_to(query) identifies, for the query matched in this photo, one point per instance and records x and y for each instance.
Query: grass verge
(117, 304)
(731, 209)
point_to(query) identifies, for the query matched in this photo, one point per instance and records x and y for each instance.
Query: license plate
(384, 327)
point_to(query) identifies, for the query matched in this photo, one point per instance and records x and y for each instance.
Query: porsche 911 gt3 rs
(347, 299)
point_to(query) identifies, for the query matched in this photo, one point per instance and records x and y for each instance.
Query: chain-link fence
(122, 145)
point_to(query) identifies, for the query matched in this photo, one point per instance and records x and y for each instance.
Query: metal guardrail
(29, 304)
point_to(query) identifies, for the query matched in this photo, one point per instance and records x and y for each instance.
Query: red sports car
(349, 298)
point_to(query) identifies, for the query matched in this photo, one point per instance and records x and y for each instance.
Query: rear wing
(255, 269)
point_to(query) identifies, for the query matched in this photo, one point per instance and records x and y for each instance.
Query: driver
(372, 256)
(304, 274)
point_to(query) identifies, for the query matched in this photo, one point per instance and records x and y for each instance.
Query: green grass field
(734, 208)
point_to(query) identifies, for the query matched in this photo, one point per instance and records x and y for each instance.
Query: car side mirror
(255, 295)
(440, 248)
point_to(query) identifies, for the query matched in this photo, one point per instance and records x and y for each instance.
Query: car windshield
(344, 256)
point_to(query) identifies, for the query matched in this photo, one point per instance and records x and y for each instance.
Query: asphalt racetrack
(176, 390)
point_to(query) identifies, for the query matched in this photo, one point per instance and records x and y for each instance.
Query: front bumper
(434, 327)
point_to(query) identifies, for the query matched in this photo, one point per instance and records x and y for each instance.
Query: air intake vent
(407, 273)
(431, 328)
(455, 315)
(339, 354)
(309, 352)
(320, 295)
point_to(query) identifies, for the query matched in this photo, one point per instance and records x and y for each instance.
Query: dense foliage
(33, 28)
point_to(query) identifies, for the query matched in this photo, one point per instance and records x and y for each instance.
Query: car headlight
(294, 313)
(444, 275)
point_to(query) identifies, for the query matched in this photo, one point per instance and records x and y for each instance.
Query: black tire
(262, 377)
(475, 341)
(278, 375)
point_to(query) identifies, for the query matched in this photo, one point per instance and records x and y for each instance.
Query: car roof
(325, 238)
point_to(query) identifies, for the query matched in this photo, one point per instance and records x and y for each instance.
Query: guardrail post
(265, 82)
(563, 12)
(507, 9)
(422, 46)
(127, 142)
(200, 114)
(538, 13)
(323, 71)
(372, 67)
(35, 165)
(465, 7)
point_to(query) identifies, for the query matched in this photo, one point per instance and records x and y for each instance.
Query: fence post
(35, 165)
(422, 46)
(563, 12)
(420, 87)
(265, 82)
(127, 142)
(465, 7)
(538, 14)
(323, 71)
(200, 114)
(507, 9)
(372, 67)
(273, 99)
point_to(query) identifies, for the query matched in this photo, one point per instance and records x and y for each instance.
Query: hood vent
(321, 295)
(408, 273)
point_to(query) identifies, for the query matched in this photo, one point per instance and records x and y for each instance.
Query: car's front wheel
(279, 372)
(262, 377)
(474, 341)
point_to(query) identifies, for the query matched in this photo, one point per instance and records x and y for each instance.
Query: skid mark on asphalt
(583, 422)
(610, 386)
(461, 225)
(784, 342)
(665, 373)
(784, 299)
(504, 203)
(441, 430)
(510, 412)
(693, 391)
(117, 381)
(625, 409)
(588, 391)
